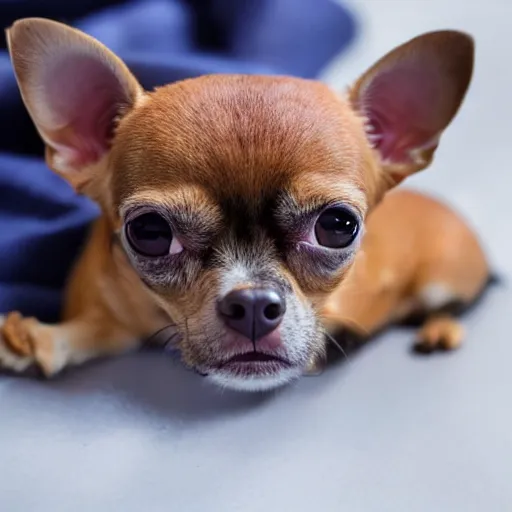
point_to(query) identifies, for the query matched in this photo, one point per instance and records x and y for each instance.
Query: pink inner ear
(82, 96)
(405, 110)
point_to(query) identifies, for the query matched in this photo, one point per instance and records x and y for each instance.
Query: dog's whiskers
(168, 343)
(337, 345)
(187, 331)
(160, 331)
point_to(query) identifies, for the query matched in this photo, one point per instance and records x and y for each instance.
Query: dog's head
(239, 200)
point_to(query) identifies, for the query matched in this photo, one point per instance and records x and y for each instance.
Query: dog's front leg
(25, 342)
(107, 312)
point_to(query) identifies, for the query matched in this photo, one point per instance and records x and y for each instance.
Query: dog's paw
(442, 332)
(16, 353)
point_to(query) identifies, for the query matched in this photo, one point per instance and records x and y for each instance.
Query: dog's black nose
(253, 312)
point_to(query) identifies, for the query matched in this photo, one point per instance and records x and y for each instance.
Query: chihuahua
(244, 217)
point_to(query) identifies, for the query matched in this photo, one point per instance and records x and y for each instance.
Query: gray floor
(387, 431)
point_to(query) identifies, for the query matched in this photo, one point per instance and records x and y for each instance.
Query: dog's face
(239, 201)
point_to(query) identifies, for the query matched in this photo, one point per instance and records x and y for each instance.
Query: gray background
(386, 431)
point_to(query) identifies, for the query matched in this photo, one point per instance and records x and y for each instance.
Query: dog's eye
(150, 235)
(336, 228)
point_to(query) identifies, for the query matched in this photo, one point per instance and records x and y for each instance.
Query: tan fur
(412, 242)
(198, 144)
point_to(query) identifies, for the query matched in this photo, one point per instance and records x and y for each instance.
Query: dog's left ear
(411, 95)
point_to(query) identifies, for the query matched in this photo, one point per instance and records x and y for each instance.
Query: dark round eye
(336, 228)
(149, 235)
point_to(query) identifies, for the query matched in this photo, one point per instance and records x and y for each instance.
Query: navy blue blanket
(42, 222)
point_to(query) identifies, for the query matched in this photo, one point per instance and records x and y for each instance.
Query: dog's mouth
(254, 357)
(254, 363)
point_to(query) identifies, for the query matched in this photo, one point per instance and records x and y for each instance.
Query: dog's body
(233, 208)
(391, 282)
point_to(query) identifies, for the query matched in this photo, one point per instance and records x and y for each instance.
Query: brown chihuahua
(242, 216)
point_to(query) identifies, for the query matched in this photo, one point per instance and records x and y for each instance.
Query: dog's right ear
(74, 89)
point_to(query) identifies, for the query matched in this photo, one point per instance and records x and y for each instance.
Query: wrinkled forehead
(241, 136)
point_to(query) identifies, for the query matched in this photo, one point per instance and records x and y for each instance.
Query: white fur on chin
(264, 383)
